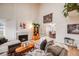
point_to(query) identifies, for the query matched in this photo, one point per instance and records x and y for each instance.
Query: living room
(18, 19)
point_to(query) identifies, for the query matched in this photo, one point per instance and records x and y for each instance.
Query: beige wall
(7, 12)
(34, 13)
(14, 14)
(27, 13)
(59, 19)
(73, 20)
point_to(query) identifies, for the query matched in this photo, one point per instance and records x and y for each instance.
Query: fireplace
(23, 38)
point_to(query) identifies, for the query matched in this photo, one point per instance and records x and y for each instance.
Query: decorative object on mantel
(73, 28)
(68, 7)
(47, 18)
(36, 35)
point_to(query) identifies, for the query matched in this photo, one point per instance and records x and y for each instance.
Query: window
(1, 29)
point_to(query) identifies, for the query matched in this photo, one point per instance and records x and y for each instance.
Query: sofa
(56, 49)
(3, 40)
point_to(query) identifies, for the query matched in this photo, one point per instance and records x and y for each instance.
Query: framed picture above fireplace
(22, 25)
(73, 28)
(47, 18)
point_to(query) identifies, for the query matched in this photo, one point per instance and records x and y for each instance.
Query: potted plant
(68, 7)
(36, 35)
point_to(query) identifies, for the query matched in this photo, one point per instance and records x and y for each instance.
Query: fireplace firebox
(23, 38)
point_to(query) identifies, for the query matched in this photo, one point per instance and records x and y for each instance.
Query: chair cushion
(55, 50)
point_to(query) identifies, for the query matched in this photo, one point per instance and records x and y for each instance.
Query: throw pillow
(43, 44)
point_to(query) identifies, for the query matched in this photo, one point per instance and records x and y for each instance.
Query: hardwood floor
(73, 51)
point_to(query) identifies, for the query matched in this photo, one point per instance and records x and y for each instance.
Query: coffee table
(22, 49)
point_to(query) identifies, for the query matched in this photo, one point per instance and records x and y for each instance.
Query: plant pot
(73, 13)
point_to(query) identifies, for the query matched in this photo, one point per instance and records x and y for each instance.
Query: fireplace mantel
(22, 32)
